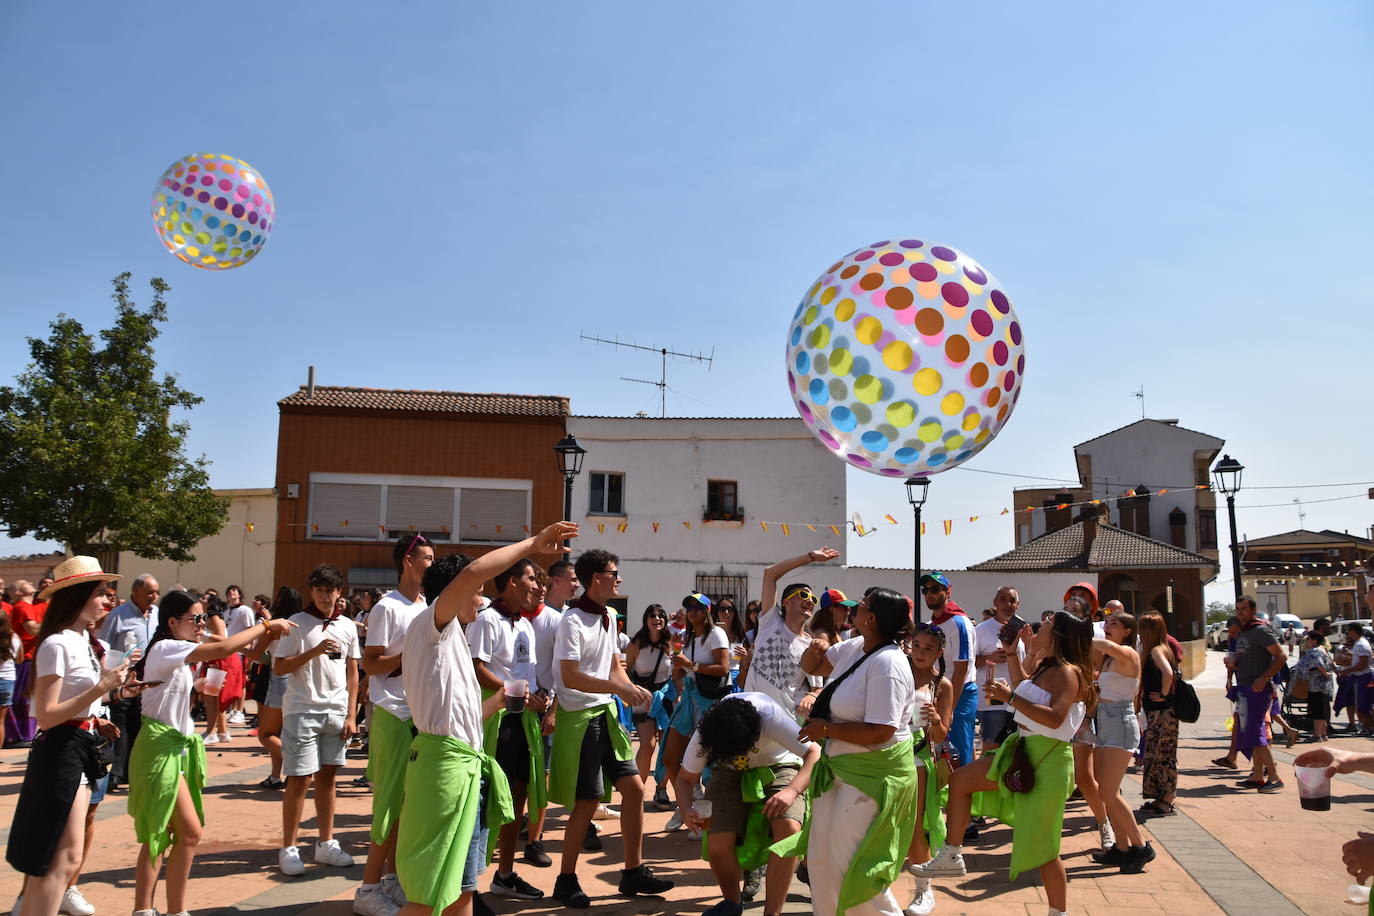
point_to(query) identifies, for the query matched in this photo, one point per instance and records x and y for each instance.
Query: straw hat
(74, 572)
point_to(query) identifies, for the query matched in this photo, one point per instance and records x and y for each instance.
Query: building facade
(691, 494)
(1310, 573)
(359, 467)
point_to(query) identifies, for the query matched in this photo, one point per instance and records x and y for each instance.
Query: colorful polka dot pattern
(213, 211)
(905, 358)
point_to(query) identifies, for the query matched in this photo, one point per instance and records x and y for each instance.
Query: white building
(705, 484)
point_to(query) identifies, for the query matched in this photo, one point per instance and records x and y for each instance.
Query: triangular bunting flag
(315, 528)
(811, 527)
(687, 525)
(764, 525)
(622, 526)
(786, 530)
(655, 524)
(890, 519)
(1004, 511)
(923, 527)
(949, 525)
(973, 518)
(600, 528)
(249, 526)
(498, 528)
(834, 529)
(527, 528)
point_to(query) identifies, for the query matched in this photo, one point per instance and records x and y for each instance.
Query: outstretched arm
(456, 599)
(772, 574)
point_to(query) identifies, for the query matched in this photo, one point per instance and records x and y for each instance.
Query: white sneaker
(73, 904)
(330, 853)
(693, 834)
(1108, 835)
(605, 813)
(236, 718)
(374, 903)
(391, 886)
(948, 862)
(210, 738)
(225, 737)
(924, 904)
(289, 861)
(675, 822)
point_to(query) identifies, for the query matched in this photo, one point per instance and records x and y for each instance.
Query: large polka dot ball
(213, 211)
(905, 358)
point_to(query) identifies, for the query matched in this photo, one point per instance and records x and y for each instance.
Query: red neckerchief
(950, 610)
(589, 606)
(502, 608)
(310, 609)
(530, 615)
(96, 647)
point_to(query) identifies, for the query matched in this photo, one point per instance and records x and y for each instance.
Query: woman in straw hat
(48, 830)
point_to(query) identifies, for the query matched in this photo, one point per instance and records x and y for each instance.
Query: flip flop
(1224, 763)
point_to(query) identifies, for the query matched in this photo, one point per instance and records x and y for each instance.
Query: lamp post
(570, 456)
(916, 491)
(1227, 477)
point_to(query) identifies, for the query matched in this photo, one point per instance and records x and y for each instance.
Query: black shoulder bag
(650, 682)
(710, 686)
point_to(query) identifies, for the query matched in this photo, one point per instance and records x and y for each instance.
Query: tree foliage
(1220, 612)
(90, 454)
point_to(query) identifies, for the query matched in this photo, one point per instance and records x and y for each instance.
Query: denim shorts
(98, 790)
(1117, 725)
(276, 689)
(476, 862)
(6, 691)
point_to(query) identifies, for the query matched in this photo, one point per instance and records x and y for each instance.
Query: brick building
(358, 467)
(1310, 573)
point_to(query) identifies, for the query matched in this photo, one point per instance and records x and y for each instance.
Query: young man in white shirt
(504, 651)
(773, 666)
(441, 845)
(590, 747)
(544, 617)
(238, 618)
(994, 718)
(389, 737)
(320, 656)
(959, 660)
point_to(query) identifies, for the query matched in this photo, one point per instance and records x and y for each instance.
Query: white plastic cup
(516, 692)
(113, 659)
(702, 808)
(1314, 788)
(1357, 893)
(214, 680)
(919, 718)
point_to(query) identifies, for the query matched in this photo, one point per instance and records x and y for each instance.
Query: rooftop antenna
(1302, 513)
(664, 353)
(1141, 395)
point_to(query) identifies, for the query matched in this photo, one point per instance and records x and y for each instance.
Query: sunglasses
(931, 589)
(611, 572)
(418, 539)
(803, 593)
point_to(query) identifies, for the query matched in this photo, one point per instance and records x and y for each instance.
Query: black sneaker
(725, 908)
(568, 892)
(971, 833)
(536, 856)
(803, 874)
(753, 880)
(1140, 856)
(641, 880)
(480, 907)
(1114, 856)
(1272, 786)
(515, 887)
(661, 800)
(592, 841)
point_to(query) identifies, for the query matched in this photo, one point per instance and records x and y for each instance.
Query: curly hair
(729, 729)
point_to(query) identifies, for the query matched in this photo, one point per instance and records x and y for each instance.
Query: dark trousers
(127, 715)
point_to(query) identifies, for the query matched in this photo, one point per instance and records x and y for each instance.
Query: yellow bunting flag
(973, 518)
(949, 525)
(344, 523)
(600, 528)
(764, 525)
(811, 527)
(786, 530)
(622, 526)
(248, 526)
(923, 527)
(1004, 511)
(834, 529)
(687, 525)
(890, 519)
(655, 524)
(859, 528)
(315, 528)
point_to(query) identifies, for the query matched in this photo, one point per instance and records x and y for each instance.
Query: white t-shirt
(320, 686)
(441, 685)
(778, 741)
(776, 669)
(506, 647)
(582, 638)
(959, 641)
(386, 627)
(702, 650)
(1360, 649)
(238, 619)
(545, 626)
(651, 658)
(881, 692)
(985, 636)
(68, 654)
(16, 651)
(170, 701)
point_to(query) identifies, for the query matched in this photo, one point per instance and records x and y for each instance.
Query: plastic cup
(516, 695)
(214, 680)
(919, 718)
(113, 659)
(702, 808)
(1314, 788)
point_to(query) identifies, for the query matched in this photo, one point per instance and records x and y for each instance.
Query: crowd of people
(810, 734)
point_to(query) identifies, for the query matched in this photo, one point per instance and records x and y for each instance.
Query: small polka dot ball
(213, 211)
(905, 358)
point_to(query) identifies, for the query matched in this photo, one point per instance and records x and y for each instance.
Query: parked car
(1216, 637)
(1285, 622)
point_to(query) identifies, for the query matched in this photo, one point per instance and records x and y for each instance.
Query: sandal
(1157, 808)
(1225, 763)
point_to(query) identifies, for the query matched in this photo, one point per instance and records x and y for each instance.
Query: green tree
(1219, 612)
(90, 455)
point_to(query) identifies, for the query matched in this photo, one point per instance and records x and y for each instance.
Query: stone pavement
(1229, 850)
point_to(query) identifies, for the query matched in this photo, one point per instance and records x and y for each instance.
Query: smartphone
(1010, 630)
(151, 683)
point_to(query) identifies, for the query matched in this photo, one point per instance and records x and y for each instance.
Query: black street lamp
(1227, 476)
(570, 456)
(916, 491)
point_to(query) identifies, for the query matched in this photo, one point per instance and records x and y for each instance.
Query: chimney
(310, 383)
(1089, 533)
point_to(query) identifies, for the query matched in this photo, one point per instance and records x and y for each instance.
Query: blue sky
(1176, 195)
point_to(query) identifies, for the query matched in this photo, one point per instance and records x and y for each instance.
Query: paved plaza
(1228, 850)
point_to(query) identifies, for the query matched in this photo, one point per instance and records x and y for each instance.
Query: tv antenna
(663, 353)
(1141, 395)
(1302, 513)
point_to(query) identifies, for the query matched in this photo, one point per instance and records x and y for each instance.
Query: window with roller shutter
(422, 510)
(493, 516)
(444, 510)
(344, 510)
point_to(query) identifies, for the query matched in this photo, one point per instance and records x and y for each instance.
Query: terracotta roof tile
(456, 402)
(1305, 537)
(1113, 548)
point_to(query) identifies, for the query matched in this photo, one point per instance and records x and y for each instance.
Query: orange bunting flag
(600, 528)
(1062, 506)
(786, 530)
(834, 529)
(249, 526)
(444, 528)
(811, 527)
(622, 526)
(655, 524)
(411, 527)
(1030, 508)
(1202, 486)
(1129, 493)
(1094, 502)
(498, 528)
(1162, 492)
(949, 525)
(973, 518)
(344, 523)
(687, 525)
(890, 519)
(527, 528)
(315, 528)
(923, 527)
(764, 525)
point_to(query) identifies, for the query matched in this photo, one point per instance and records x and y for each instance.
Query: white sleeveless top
(1115, 687)
(1039, 695)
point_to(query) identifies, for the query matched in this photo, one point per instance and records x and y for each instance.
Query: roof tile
(410, 401)
(1112, 548)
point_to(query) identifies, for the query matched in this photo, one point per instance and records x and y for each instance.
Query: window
(608, 494)
(722, 499)
(494, 515)
(382, 507)
(345, 510)
(724, 585)
(1207, 529)
(1178, 528)
(426, 510)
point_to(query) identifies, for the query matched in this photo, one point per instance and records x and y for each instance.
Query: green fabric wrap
(568, 731)
(537, 791)
(160, 757)
(889, 778)
(439, 814)
(752, 849)
(388, 751)
(1036, 817)
(933, 802)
